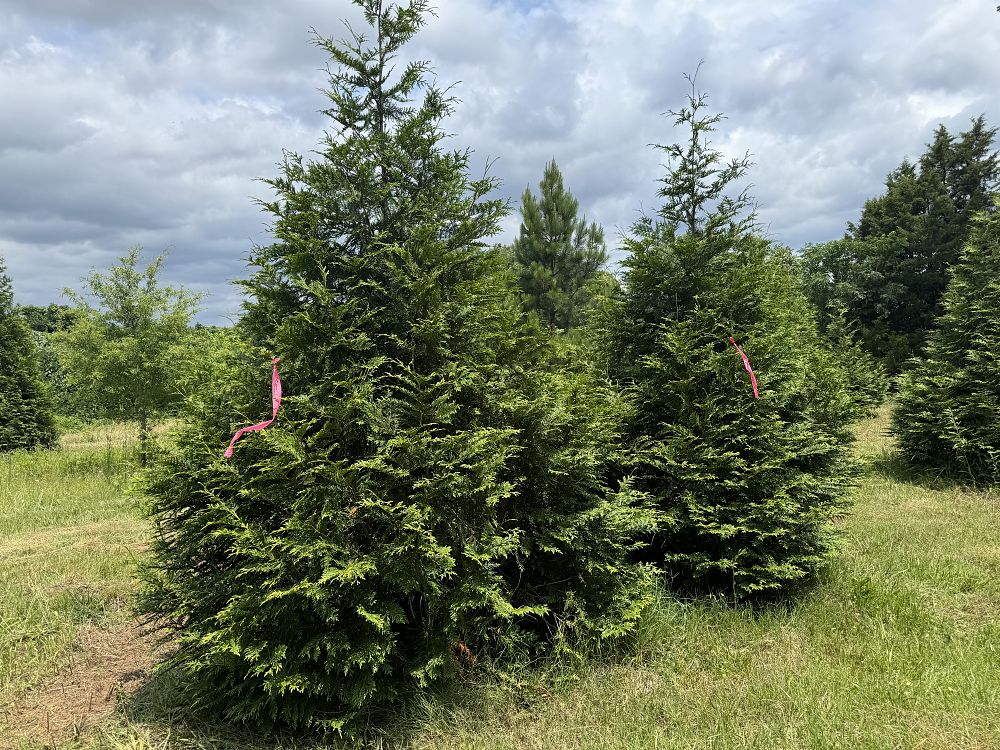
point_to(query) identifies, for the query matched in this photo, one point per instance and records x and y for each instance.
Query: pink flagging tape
(275, 405)
(746, 364)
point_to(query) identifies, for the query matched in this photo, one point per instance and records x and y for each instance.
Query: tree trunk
(143, 440)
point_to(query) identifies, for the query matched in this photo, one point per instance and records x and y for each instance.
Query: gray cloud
(148, 123)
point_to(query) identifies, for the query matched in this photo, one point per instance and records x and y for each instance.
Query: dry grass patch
(104, 665)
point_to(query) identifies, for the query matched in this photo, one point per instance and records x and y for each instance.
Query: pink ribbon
(746, 364)
(275, 404)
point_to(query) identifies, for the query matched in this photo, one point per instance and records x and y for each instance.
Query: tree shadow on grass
(159, 709)
(891, 464)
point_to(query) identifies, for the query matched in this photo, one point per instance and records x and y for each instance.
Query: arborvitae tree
(747, 487)
(557, 255)
(430, 495)
(946, 413)
(890, 272)
(26, 419)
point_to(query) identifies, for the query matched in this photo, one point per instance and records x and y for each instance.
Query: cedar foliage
(26, 419)
(558, 256)
(746, 487)
(946, 413)
(836, 285)
(866, 381)
(435, 491)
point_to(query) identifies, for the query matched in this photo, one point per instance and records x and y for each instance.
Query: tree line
(490, 454)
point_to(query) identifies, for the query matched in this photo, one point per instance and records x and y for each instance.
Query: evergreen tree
(430, 494)
(746, 487)
(557, 255)
(888, 275)
(946, 413)
(26, 419)
(48, 319)
(831, 281)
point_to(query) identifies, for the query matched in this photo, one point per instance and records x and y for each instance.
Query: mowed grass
(897, 646)
(68, 541)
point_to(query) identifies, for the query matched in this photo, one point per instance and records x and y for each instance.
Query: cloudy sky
(127, 122)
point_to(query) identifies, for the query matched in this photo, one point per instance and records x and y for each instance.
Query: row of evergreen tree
(453, 479)
(488, 452)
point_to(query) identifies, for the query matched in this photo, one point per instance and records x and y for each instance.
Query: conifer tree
(746, 487)
(429, 495)
(828, 281)
(865, 379)
(946, 412)
(26, 419)
(890, 271)
(557, 254)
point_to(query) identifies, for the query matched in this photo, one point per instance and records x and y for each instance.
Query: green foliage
(48, 319)
(121, 354)
(889, 273)
(72, 405)
(865, 379)
(830, 292)
(557, 256)
(436, 491)
(747, 488)
(946, 414)
(26, 419)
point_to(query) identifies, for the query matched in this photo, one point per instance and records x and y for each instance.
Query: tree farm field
(897, 646)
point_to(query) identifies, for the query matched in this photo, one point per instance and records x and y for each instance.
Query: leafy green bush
(946, 412)
(434, 494)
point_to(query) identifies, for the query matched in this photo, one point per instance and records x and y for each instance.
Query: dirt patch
(105, 665)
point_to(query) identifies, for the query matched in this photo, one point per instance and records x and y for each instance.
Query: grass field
(897, 647)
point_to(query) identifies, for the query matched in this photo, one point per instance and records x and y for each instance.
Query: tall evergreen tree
(429, 494)
(26, 419)
(946, 413)
(892, 268)
(558, 255)
(746, 487)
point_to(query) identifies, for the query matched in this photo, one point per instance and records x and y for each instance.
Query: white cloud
(147, 123)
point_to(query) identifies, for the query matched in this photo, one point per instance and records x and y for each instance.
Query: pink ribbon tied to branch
(275, 405)
(746, 365)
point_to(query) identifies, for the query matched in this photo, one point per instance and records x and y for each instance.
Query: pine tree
(746, 487)
(946, 412)
(557, 255)
(26, 419)
(430, 495)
